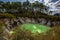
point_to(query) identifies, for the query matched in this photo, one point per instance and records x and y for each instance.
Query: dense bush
(53, 34)
(6, 15)
(31, 15)
(2, 25)
(39, 15)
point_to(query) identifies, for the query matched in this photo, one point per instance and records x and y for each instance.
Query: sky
(54, 0)
(29, 0)
(13, 0)
(49, 2)
(16, 0)
(44, 1)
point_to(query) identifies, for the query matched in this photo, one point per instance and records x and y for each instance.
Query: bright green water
(35, 28)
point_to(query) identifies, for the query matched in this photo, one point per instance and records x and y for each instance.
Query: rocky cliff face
(21, 20)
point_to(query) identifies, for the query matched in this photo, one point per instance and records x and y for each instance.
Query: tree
(2, 25)
(7, 5)
(16, 5)
(40, 6)
(1, 4)
(26, 6)
(35, 7)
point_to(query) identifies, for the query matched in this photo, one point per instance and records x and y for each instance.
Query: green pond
(35, 28)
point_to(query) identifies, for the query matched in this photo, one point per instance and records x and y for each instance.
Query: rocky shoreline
(21, 20)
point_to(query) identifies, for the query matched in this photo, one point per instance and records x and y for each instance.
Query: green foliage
(6, 15)
(7, 5)
(1, 27)
(21, 34)
(16, 5)
(25, 6)
(53, 34)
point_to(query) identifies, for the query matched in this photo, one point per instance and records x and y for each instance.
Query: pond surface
(35, 28)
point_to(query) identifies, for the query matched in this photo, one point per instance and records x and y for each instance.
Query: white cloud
(46, 1)
(31, 1)
(35, 0)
